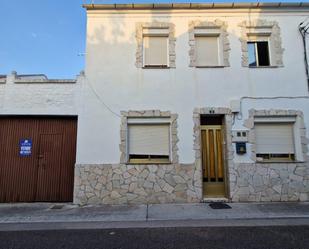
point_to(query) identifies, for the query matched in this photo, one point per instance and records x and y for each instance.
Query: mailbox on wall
(240, 138)
(241, 148)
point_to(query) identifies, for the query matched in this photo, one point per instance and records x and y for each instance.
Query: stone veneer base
(271, 181)
(174, 183)
(261, 182)
(135, 184)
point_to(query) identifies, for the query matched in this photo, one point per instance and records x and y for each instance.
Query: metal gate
(212, 161)
(42, 169)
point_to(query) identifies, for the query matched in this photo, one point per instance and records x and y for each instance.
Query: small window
(149, 143)
(155, 51)
(275, 141)
(258, 54)
(207, 51)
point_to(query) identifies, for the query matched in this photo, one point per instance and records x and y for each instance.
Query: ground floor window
(274, 141)
(148, 141)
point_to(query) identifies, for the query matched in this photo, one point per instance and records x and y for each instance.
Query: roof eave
(231, 5)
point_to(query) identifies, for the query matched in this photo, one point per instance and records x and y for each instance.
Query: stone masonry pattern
(134, 184)
(276, 49)
(228, 151)
(148, 114)
(217, 24)
(271, 181)
(171, 43)
(179, 183)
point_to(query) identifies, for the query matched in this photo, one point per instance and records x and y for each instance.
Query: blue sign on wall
(25, 147)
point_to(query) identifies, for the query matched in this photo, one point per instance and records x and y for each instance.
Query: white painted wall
(33, 97)
(112, 74)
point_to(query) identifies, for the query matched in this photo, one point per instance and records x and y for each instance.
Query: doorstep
(218, 199)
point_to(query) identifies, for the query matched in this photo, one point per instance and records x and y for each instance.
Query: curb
(81, 225)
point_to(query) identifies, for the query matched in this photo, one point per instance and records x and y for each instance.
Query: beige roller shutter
(155, 49)
(274, 138)
(149, 139)
(207, 51)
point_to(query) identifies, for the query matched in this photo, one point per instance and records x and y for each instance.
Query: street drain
(57, 207)
(219, 205)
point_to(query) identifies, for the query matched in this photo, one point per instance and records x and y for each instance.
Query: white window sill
(279, 162)
(263, 67)
(156, 67)
(210, 66)
(149, 162)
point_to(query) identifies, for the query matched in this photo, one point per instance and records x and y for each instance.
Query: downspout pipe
(303, 32)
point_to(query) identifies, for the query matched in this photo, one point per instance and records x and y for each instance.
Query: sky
(48, 36)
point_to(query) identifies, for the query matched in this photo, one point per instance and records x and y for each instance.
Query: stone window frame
(148, 114)
(228, 149)
(171, 41)
(275, 42)
(208, 25)
(301, 149)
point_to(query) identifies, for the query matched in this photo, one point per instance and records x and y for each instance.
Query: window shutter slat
(207, 53)
(155, 48)
(149, 139)
(274, 138)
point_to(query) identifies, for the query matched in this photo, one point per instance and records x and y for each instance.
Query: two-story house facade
(178, 103)
(193, 102)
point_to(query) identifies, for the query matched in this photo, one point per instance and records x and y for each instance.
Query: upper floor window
(258, 53)
(207, 51)
(155, 48)
(155, 45)
(261, 44)
(209, 45)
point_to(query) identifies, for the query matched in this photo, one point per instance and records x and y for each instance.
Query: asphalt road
(292, 237)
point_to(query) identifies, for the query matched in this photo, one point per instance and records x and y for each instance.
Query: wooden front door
(212, 161)
(47, 172)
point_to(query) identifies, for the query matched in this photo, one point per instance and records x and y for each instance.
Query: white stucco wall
(22, 96)
(117, 84)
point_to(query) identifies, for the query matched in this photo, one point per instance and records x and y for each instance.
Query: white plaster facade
(111, 70)
(114, 84)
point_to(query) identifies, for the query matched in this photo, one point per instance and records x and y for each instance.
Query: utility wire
(239, 116)
(100, 98)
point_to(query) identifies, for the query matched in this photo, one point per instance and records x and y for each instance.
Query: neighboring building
(38, 126)
(179, 103)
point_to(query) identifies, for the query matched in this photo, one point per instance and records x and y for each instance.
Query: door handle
(40, 156)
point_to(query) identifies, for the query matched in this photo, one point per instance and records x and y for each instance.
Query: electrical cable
(239, 115)
(100, 99)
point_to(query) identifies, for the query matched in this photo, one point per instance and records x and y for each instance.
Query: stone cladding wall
(276, 181)
(134, 184)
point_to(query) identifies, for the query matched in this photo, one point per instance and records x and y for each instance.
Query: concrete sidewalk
(51, 215)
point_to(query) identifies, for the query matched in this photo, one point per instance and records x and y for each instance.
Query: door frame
(206, 128)
(228, 149)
